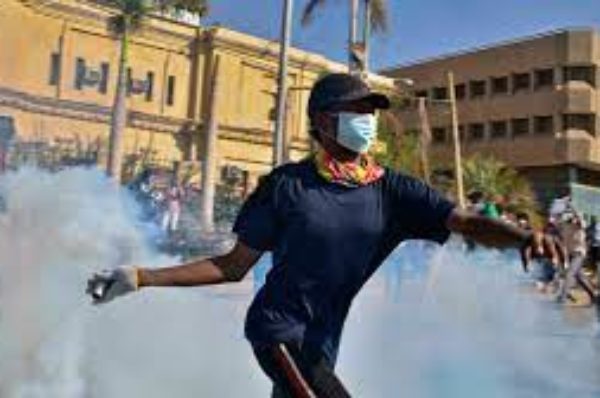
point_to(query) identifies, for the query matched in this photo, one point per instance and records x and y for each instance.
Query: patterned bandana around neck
(349, 174)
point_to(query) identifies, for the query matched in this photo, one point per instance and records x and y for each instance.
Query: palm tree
(400, 147)
(376, 19)
(131, 14)
(495, 179)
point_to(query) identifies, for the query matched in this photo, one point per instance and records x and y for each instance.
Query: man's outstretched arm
(230, 267)
(500, 234)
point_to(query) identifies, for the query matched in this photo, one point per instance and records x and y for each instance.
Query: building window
(438, 135)
(499, 129)
(544, 78)
(477, 88)
(440, 93)
(79, 73)
(104, 70)
(476, 131)
(543, 125)
(580, 121)
(421, 94)
(521, 82)
(54, 69)
(500, 85)
(171, 90)
(520, 127)
(149, 86)
(7, 130)
(460, 91)
(580, 74)
(461, 132)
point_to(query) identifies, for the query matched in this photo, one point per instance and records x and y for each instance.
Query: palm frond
(117, 24)
(379, 15)
(197, 7)
(131, 13)
(309, 10)
(495, 179)
(112, 3)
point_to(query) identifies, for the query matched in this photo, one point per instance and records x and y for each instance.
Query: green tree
(398, 147)
(496, 180)
(127, 22)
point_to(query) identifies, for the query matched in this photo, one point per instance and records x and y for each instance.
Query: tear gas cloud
(432, 322)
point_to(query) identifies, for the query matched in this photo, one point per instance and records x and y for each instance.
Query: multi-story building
(58, 73)
(532, 103)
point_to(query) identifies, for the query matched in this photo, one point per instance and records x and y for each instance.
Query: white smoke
(470, 325)
(55, 231)
(433, 322)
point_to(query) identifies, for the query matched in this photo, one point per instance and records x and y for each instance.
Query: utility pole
(424, 140)
(460, 193)
(207, 205)
(284, 45)
(366, 36)
(352, 35)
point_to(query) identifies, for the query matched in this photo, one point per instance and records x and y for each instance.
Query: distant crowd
(579, 241)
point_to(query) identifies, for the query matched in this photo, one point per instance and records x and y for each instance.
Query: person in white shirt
(173, 197)
(572, 233)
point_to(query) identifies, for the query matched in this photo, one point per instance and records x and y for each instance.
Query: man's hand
(230, 267)
(109, 285)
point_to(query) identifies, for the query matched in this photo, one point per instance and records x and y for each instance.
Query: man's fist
(108, 285)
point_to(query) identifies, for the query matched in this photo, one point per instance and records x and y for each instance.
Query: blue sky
(418, 28)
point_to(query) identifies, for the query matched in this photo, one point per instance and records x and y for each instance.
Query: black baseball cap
(338, 88)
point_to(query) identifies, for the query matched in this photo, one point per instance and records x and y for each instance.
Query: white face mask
(356, 131)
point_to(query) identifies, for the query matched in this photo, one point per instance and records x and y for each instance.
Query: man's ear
(325, 124)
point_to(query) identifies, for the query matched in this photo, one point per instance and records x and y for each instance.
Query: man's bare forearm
(197, 273)
(230, 267)
(488, 231)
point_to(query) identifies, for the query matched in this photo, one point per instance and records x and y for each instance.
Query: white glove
(109, 285)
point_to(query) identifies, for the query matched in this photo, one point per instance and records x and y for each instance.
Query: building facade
(532, 103)
(58, 73)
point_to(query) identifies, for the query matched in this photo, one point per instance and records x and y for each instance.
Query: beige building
(533, 103)
(58, 71)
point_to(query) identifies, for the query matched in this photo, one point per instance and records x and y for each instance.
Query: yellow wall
(247, 75)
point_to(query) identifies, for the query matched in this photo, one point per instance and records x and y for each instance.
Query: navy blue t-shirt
(327, 240)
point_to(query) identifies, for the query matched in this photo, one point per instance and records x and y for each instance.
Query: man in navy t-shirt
(330, 221)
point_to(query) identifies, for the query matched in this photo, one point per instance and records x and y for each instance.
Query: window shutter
(105, 70)
(79, 73)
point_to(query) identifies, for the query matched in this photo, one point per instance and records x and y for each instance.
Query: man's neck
(340, 153)
(346, 157)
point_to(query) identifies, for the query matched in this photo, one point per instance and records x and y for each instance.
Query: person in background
(551, 274)
(172, 211)
(475, 202)
(551, 227)
(330, 221)
(593, 236)
(593, 239)
(545, 272)
(572, 233)
(490, 209)
(522, 221)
